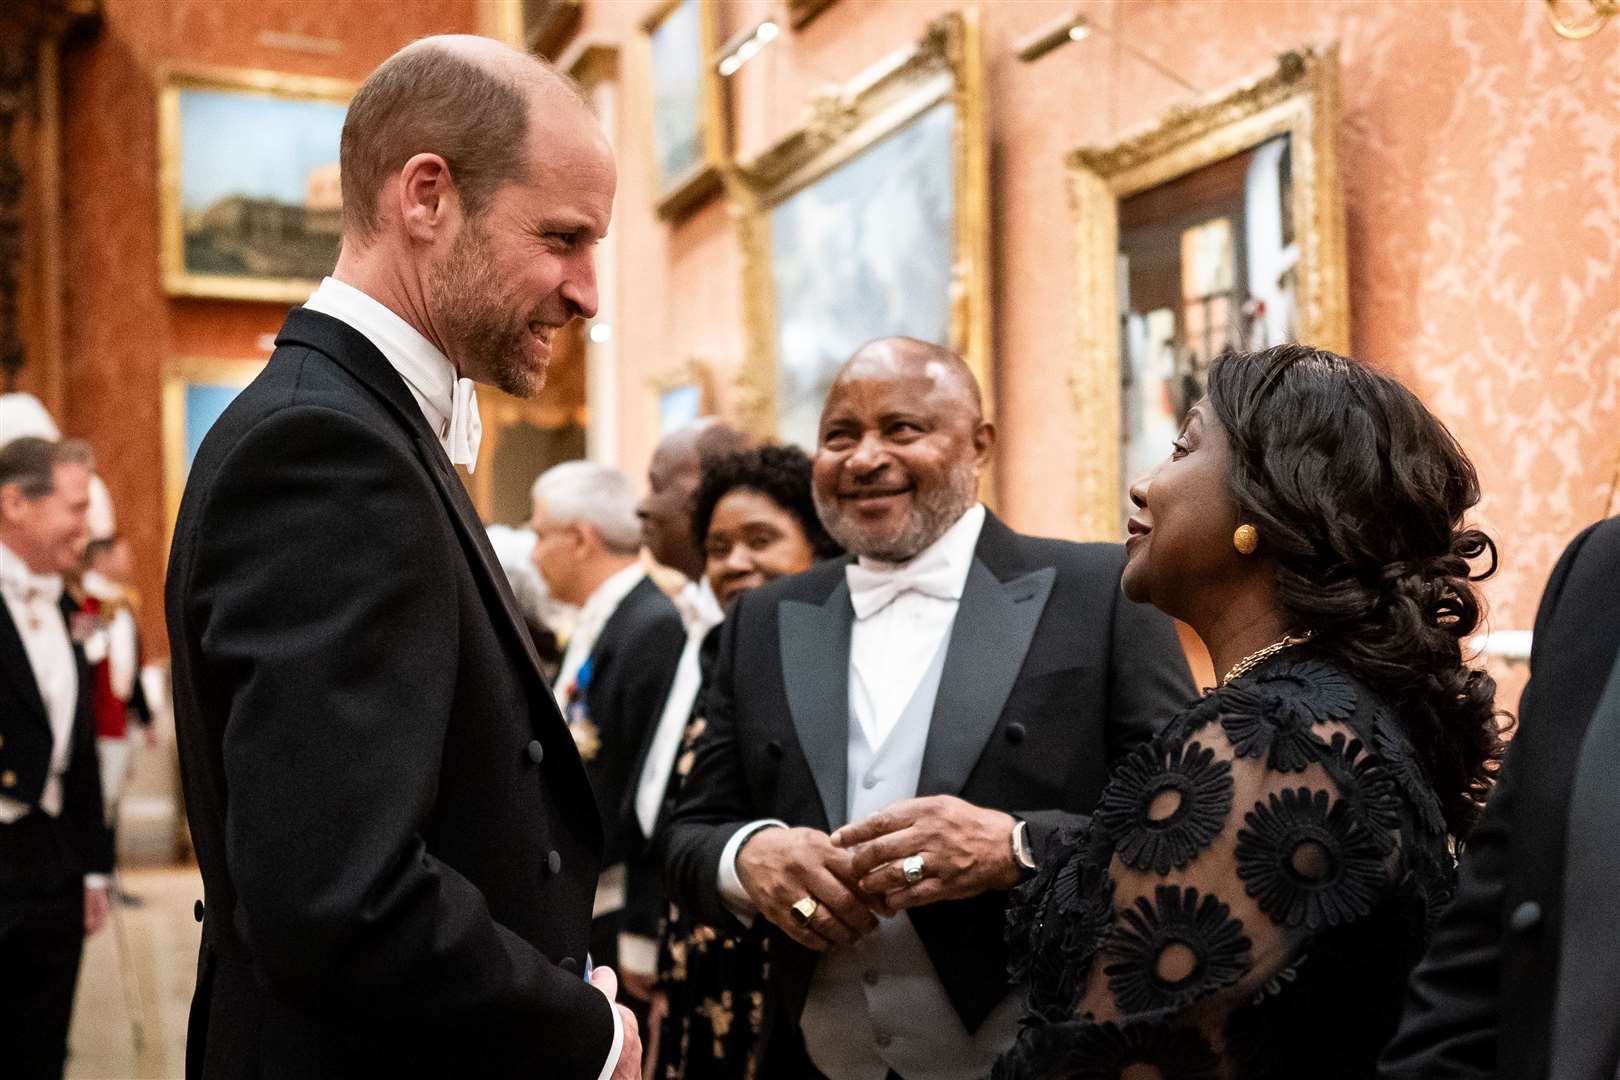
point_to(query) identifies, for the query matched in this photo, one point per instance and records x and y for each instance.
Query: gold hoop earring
(1246, 538)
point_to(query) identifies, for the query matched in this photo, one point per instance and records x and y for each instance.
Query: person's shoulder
(1079, 560)
(648, 606)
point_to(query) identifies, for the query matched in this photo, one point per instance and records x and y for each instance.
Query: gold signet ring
(805, 910)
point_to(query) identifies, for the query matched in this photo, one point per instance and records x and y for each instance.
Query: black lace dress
(1252, 891)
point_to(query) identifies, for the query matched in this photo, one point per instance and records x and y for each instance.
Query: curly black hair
(780, 473)
(1359, 493)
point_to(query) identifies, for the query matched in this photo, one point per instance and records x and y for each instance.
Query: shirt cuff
(618, 1042)
(97, 881)
(732, 893)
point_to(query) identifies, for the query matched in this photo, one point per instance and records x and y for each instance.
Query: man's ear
(428, 200)
(984, 441)
(12, 501)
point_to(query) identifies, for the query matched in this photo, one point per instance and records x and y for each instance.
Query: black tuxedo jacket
(397, 839)
(632, 667)
(1482, 1001)
(1050, 675)
(26, 743)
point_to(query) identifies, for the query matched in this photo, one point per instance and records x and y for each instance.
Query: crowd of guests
(879, 787)
(1100, 868)
(71, 702)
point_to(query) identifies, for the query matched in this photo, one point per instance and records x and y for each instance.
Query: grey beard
(931, 516)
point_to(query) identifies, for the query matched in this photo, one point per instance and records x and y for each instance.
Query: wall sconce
(1602, 12)
(1078, 28)
(745, 46)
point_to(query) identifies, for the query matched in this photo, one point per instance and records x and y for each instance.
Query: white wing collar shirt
(33, 599)
(903, 614)
(450, 404)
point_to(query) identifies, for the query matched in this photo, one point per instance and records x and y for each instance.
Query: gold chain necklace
(1248, 663)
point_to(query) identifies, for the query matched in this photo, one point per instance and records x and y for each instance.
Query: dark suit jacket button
(1015, 733)
(537, 753)
(197, 911)
(554, 862)
(570, 965)
(774, 749)
(1527, 916)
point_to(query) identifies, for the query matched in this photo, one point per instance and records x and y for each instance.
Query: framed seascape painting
(251, 202)
(688, 135)
(195, 393)
(1221, 229)
(869, 222)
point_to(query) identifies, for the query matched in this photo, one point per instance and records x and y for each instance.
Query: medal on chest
(587, 739)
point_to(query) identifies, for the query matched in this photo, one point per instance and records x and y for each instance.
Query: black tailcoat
(1050, 676)
(1481, 1004)
(397, 839)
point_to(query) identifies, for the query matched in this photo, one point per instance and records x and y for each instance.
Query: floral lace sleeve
(1263, 818)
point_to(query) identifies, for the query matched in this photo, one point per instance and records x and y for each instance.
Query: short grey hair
(588, 493)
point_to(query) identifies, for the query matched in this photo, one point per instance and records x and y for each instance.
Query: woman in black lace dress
(1256, 884)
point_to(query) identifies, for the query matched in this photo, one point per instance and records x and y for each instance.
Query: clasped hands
(856, 874)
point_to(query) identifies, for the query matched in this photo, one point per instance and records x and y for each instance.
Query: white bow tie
(871, 590)
(466, 429)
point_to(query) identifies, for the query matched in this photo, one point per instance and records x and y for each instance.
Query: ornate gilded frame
(1300, 98)
(679, 196)
(947, 64)
(177, 280)
(178, 375)
(693, 373)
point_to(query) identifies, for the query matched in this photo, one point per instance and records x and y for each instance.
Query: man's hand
(628, 1067)
(96, 907)
(966, 850)
(779, 867)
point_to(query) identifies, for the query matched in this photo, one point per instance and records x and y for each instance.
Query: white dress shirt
(34, 603)
(896, 634)
(449, 404)
(700, 612)
(593, 615)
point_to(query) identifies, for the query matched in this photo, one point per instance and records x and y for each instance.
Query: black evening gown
(713, 979)
(1252, 891)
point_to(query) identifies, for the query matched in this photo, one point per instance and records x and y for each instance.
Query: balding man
(892, 739)
(397, 838)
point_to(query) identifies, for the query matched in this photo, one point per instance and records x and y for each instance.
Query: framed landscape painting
(195, 393)
(688, 139)
(251, 202)
(867, 223)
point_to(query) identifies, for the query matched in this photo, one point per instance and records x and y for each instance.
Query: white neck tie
(466, 429)
(872, 590)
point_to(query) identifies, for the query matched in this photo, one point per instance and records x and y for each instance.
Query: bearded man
(397, 839)
(892, 739)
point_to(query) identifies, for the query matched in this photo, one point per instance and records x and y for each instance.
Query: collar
(700, 609)
(21, 582)
(449, 403)
(102, 587)
(954, 549)
(609, 595)
(940, 570)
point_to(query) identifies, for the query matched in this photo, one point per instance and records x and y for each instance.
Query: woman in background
(754, 521)
(1256, 884)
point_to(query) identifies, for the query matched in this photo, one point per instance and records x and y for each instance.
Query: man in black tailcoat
(398, 842)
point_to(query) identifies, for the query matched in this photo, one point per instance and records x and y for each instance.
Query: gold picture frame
(195, 391)
(685, 395)
(684, 175)
(1299, 99)
(235, 245)
(938, 81)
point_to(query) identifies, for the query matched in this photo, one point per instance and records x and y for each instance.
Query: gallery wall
(1480, 156)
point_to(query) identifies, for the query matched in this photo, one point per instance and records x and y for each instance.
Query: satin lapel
(1586, 1028)
(815, 672)
(14, 666)
(476, 539)
(995, 624)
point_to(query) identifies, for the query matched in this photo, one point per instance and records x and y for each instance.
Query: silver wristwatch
(1022, 855)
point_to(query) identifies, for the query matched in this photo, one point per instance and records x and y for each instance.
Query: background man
(666, 531)
(959, 685)
(1522, 977)
(55, 850)
(620, 660)
(397, 838)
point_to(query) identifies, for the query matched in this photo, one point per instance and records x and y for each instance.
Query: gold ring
(805, 910)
